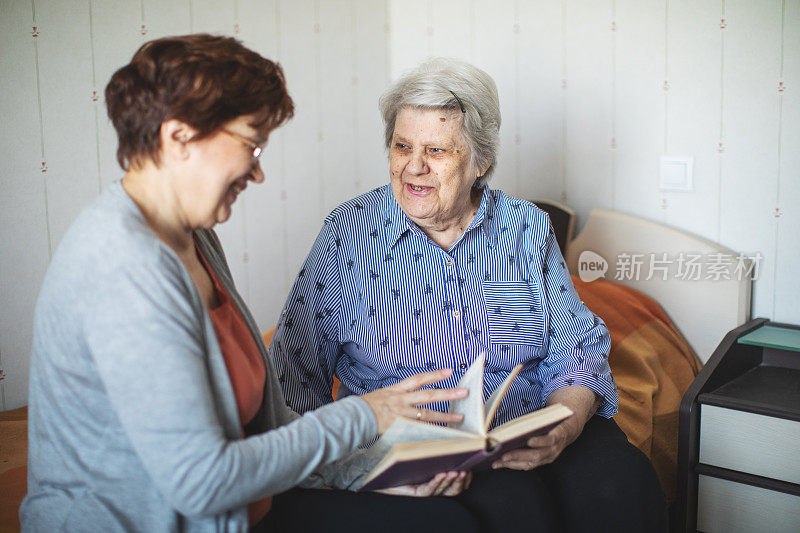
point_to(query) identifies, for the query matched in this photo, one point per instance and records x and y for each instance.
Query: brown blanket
(653, 366)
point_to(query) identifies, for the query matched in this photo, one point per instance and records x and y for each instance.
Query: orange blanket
(653, 366)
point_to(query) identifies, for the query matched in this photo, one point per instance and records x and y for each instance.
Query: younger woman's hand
(442, 484)
(404, 399)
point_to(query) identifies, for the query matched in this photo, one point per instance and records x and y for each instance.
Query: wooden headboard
(704, 310)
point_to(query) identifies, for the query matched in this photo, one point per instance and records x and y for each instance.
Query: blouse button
(456, 313)
(462, 366)
(449, 262)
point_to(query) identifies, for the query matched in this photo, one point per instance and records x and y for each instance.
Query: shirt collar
(485, 217)
(396, 223)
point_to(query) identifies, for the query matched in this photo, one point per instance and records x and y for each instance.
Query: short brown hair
(202, 80)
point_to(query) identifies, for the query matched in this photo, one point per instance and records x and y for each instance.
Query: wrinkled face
(222, 165)
(429, 167)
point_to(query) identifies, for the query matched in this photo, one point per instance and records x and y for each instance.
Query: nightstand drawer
(729, 507)
(755, 444)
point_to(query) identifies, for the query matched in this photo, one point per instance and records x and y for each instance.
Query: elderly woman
(434, 268)
(153, 406)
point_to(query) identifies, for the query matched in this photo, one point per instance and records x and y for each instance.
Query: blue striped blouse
(377, 301)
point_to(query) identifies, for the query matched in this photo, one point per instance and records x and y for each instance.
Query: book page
(471, 406)
(525, 424)
(490, 409)
(405, 430)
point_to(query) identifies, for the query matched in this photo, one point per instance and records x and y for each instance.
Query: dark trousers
(599, 483)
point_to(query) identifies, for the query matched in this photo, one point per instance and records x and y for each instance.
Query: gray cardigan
(133, 424)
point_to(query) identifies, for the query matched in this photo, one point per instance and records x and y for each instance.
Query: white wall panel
(24, 250)
(787, 253)
(265, 232)
(303, 142)
(409, 38)
(449, 28)
(171, 17)
(68, 112)
(640, 102)
(587, 111)
(337, 82)
(495, 42)
(750, 137)
(263, 208)
(693, 109)
(538, 115)
(116, 35)
(371, 69)
(211, 16)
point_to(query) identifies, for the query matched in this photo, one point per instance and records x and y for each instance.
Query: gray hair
(452, 84)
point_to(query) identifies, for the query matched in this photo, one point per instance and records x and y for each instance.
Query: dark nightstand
(739, 443)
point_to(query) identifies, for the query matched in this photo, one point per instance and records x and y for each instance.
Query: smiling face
(222, 165)
(430, 170)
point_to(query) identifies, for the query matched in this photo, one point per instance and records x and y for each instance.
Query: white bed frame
(704, 310)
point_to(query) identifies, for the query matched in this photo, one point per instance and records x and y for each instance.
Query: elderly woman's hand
(546, 448)
(442, 484)
(404, 398)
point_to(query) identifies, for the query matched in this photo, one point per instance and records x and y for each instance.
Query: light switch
(676, 173)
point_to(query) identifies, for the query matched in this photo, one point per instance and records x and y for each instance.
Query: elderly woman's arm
(575, 371)
(545, 449)
(305, 346)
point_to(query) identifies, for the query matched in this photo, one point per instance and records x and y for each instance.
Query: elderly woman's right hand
(405, 398)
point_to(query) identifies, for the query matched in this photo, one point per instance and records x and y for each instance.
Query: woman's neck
(446, 232)
(151, 190)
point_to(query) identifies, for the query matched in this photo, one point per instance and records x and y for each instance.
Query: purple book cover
(417, 471)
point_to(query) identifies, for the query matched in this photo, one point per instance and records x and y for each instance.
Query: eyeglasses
(257, 150)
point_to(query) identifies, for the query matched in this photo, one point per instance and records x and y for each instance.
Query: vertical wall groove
(284, 209)
(517, 131)
(354, 92)
(35, 33)
(319, 106)
(665, 86)
(95, 99)
(143, 24)
(563, 100)
(721, 143)
(778, 211)
(666, 74)
(472, 31)
(243, 283)
(613, 143)
(429, 30)
(387, 27)
(191, 16)
(2, 384)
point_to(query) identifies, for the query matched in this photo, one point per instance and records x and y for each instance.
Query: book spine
(483, 459)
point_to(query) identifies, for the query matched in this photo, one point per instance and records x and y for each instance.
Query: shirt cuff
(603, 386)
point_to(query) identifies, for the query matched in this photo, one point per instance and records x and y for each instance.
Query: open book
(413, 452)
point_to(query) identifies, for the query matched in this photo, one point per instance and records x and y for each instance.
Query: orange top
(245, 366)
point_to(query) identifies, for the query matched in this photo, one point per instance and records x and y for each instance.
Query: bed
(703, 310)
(663, 326)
